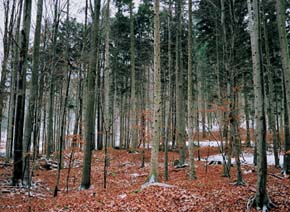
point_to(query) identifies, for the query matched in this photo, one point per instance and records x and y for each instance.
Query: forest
(152, 105)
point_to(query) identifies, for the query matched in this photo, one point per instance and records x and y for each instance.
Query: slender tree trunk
(286, 165)
(133, 102)
(29, 118)
(281, 10)
(153, 175)
(122, 125)
(270, 87)
(235, 139)
(261, 198)
(10, 130)
(62, 128)
(51, 104)
(180, 117)
(100, 117)
(21, 86)
(225, 94)
(7, 38)
(189, 95)
(247, 114)
(169, 120)
(107, 70)
(90, 100)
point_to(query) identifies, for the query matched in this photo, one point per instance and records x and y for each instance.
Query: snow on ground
(207, 143)
(248, 158)
(213, 143)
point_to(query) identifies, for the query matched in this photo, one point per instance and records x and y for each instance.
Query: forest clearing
(144, 105)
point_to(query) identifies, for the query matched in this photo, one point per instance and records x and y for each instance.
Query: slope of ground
(209, 192)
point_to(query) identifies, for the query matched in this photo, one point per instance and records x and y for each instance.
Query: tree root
(250, 203)
(266, 207)
(240, 183)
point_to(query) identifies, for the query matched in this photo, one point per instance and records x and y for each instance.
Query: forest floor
(209, 192)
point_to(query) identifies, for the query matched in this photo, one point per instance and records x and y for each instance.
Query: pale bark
(153, 175)
(10, 130)
(7, 42)
(107, 70)
(261, 197)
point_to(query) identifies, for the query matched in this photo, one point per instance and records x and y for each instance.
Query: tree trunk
(11, 124)
(189, 95)
(7, 41)
(133, 99)
(62, 124)
(225, 93)
(169, 120)
(29, 118)
(21, 86)
(51, 104)
(107, 70)
(270, 87)
(281, 10)
(247, 114)
(180, 117)
(90, 100)
(235, 139)
(261, 198)
(153, 175)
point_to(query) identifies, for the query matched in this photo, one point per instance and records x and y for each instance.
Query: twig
(273, 175)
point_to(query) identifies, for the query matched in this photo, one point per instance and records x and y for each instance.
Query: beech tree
(30, 116)
(180, 117)
(9, 12)
(280, 7)
(261, 200)
(153, 175)
(21, 86)
(90, 99)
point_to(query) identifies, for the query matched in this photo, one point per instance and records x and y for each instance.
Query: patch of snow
(248, 158)
(122, 196)
(164, 185)
(247, 171)
(208, 143)
(152, 179)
